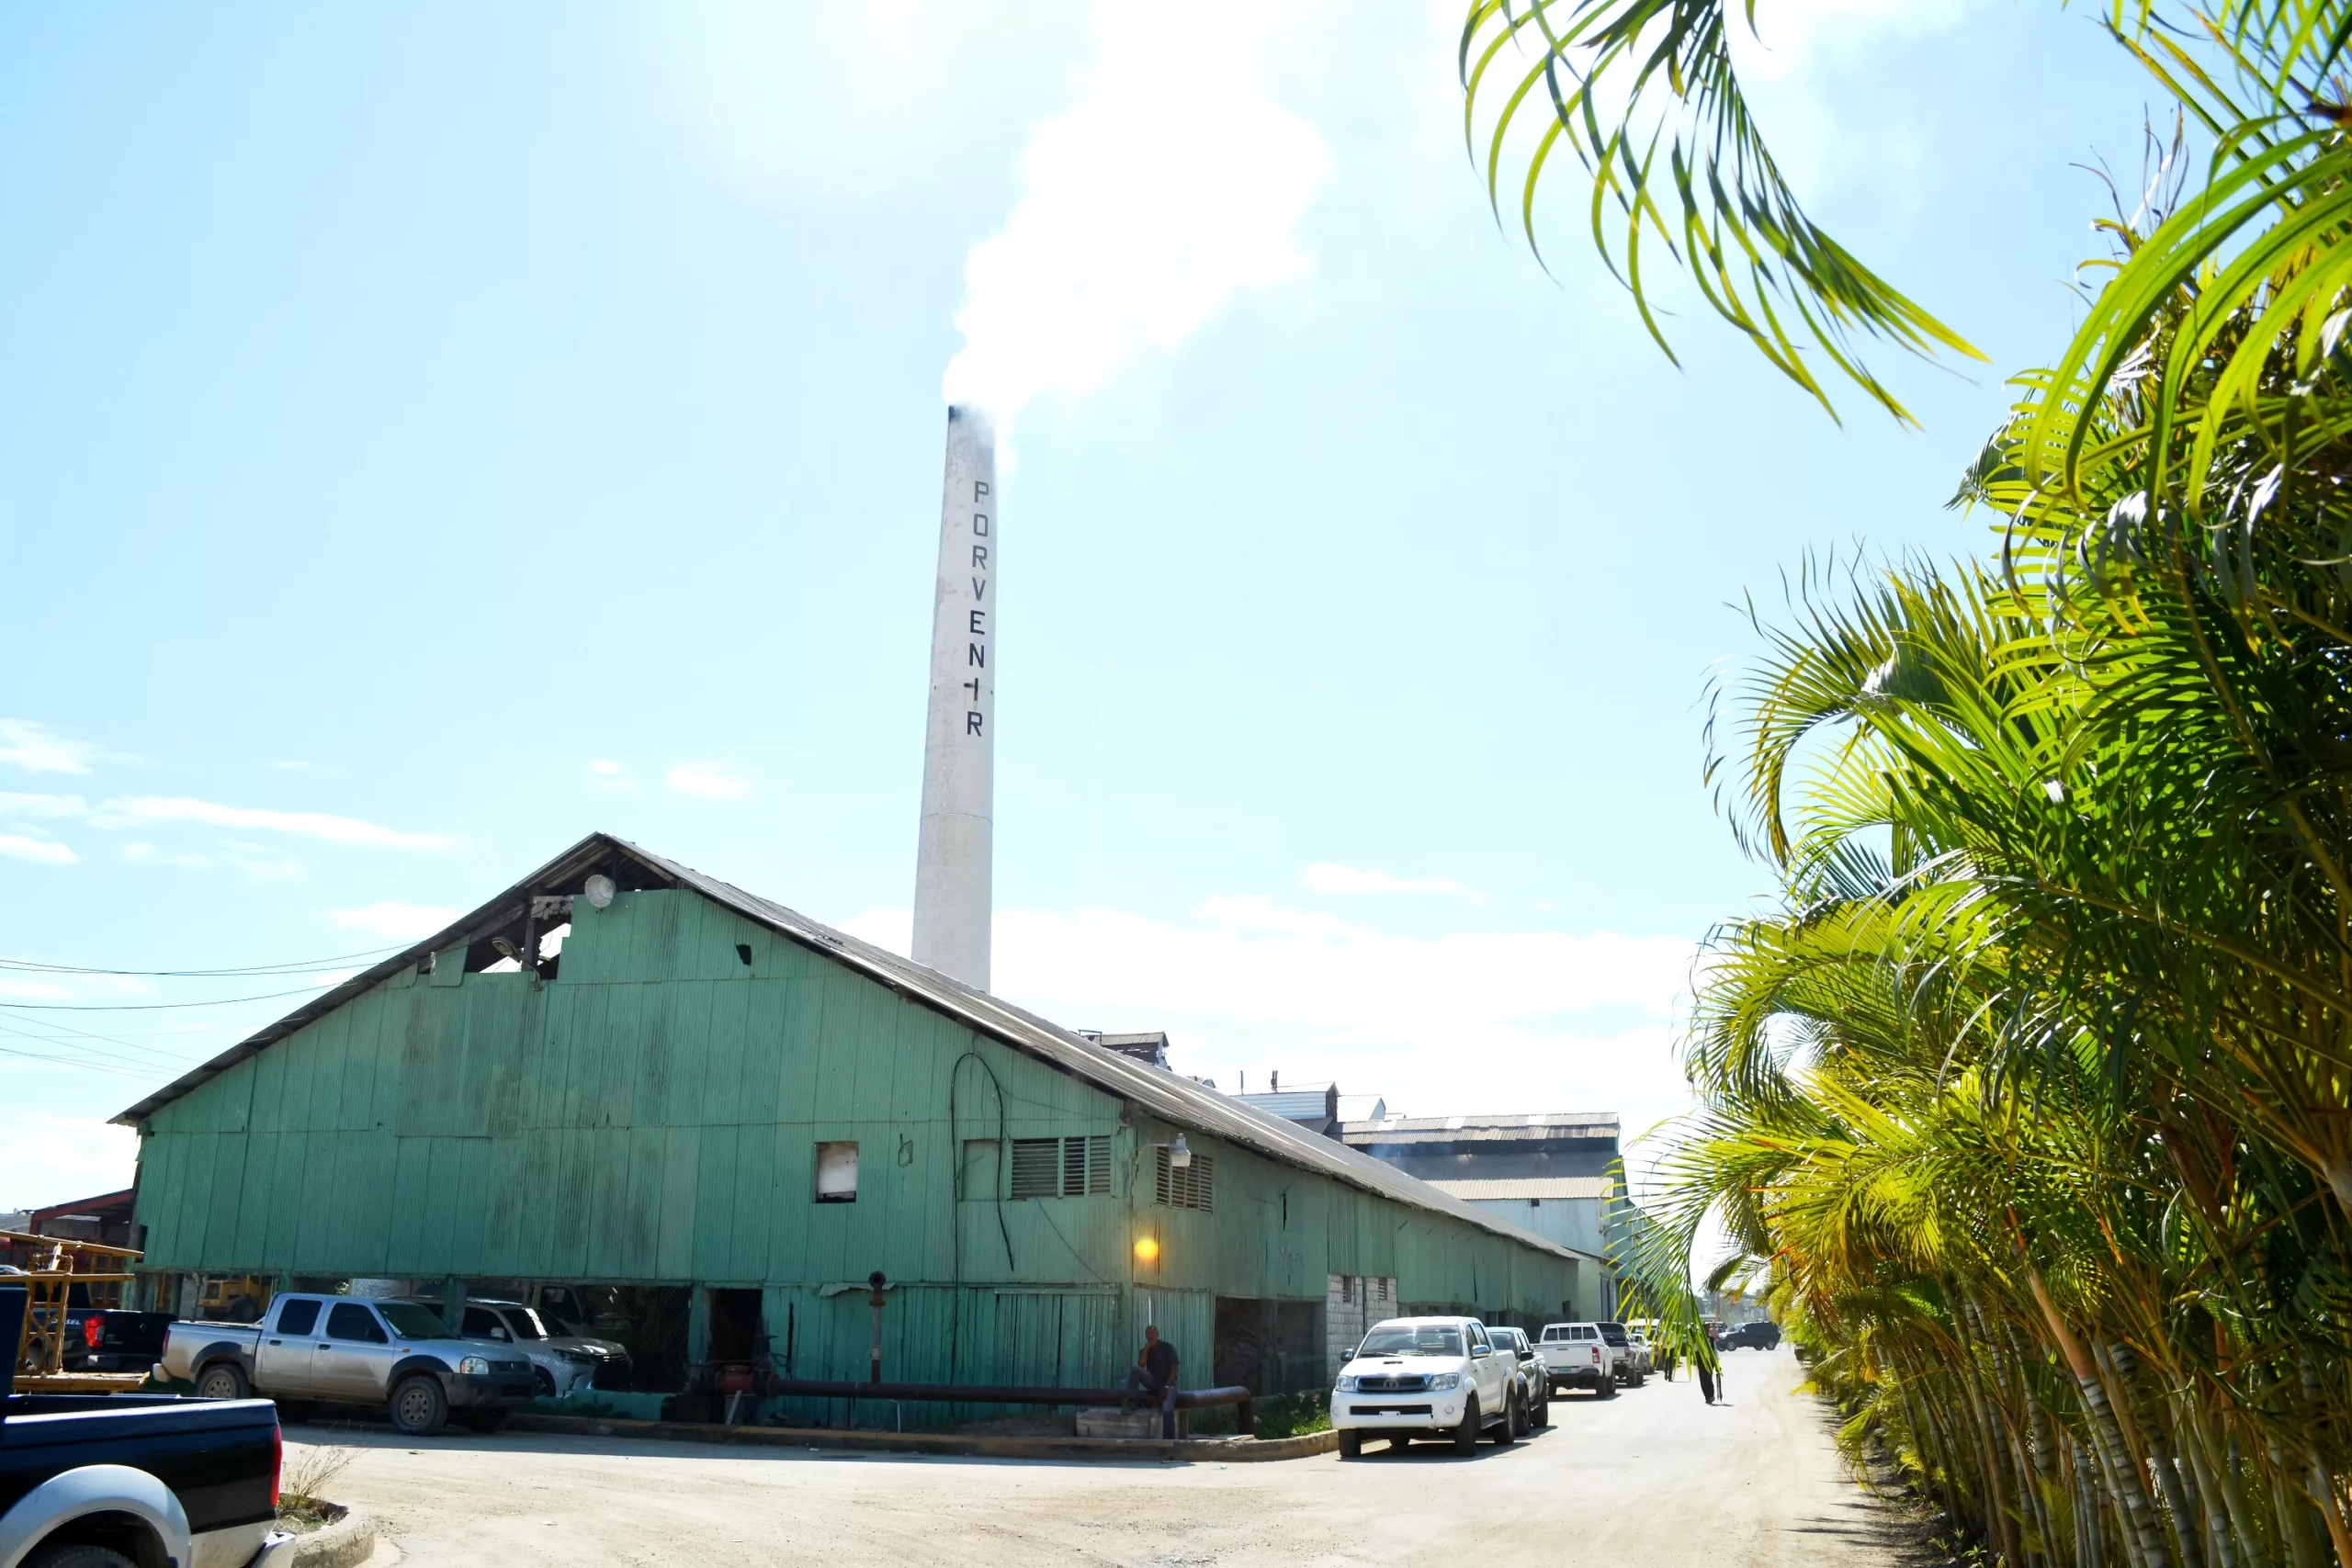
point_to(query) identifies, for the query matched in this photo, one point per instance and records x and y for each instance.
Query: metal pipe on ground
(1245, 1412)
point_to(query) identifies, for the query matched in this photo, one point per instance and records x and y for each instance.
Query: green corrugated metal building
(707, 1090)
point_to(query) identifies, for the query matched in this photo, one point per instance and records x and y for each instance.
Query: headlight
(474, 1366)
(1347, 1383)
(1445, 1380)
(578, 1358)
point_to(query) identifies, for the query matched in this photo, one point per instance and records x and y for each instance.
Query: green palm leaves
(2031, 1097)
(1645, 94)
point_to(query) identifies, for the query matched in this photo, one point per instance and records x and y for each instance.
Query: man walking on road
(1704, 1361)
(1154, 1378)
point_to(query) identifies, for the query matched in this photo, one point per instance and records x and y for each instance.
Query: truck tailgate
(219, 1456)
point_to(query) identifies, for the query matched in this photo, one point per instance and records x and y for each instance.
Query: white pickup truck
(1575, 1356)
(1429, 1377)
(395, 1356)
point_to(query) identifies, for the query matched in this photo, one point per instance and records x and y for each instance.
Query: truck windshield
(1412, 1339)
(413, 1322)
(527, 1322)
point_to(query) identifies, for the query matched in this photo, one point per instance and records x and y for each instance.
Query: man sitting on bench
(1153, 1379)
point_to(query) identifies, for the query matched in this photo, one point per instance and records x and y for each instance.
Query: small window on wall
(1061, 1168)
(837, 1173)
(1189, 1186)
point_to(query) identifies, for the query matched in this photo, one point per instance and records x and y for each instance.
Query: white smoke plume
(1172, 184)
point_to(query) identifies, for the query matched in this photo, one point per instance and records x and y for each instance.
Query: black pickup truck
(108, 1339)
(127, 1480)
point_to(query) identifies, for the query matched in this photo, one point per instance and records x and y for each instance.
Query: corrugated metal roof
(1528, 1187)
(1292, 1104)
(1538, 1127)
(1172, 1097)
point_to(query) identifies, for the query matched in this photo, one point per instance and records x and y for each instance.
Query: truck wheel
(542, 1382)
(1465, 1436)
(1543, 1409)
(1606, 1388)
(1507, 1430)
(223, 1380)
(78, 1555)
(418, 1407)
(1351, 1445)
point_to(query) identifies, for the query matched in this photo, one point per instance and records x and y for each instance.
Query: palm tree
(2033, 1096)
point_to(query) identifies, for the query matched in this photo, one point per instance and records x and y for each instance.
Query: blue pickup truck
(133, 1481)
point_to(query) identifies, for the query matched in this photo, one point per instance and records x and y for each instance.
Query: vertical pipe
(952, 850)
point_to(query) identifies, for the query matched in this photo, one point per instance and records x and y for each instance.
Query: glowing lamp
(1147, 1250)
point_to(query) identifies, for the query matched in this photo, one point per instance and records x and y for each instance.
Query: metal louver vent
(1190, 1185)
(1036, 1167)
(1061, 1168)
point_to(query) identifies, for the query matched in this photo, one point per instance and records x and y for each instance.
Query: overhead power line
(155, 1006)
(292, 967)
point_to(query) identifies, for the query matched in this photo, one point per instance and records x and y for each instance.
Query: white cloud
(37, 749)
(710, 780)
(839, 101)
(1347, 881)
(1790, 68)
(47, 1159)
(41, 851)
(1460, 1022)
(263, 863)
(394, 922)
(33, 991)
(1171, 185)
(300, 824)
(611, 777)
(149, 853)
(42, 806)
(1795, 34)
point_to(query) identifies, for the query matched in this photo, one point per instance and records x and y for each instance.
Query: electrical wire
(291, 967)
(59, 1031)
(69, 1062)
(156, 1007)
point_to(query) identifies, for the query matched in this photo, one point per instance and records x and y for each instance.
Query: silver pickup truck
(397, 1356)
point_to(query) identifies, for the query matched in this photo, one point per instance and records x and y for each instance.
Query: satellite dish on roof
(600, 891)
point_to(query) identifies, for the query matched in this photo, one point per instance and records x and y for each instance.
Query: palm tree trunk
(2220, 1534)
(2186, 1521)
(2324, 1499)
(2228, 1467)
(2139, 1515)
(2000, 1523)
(2289, 1504)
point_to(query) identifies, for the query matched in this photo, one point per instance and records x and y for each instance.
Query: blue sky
(429, 432)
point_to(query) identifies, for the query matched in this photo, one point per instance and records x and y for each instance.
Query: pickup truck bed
(148, 1476)
(107, 1339)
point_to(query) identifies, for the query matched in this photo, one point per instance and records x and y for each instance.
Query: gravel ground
(1653, 1477)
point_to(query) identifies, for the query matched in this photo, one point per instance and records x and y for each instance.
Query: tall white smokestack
(952, 856)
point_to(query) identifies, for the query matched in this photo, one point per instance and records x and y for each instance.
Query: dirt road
(1654, 1477)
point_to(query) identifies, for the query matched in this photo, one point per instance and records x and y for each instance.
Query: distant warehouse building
(672, 1113)
(1555, 1174)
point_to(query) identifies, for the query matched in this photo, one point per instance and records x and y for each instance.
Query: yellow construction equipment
(54, 1265)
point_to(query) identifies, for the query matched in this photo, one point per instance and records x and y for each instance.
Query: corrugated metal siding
(650, 1116)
